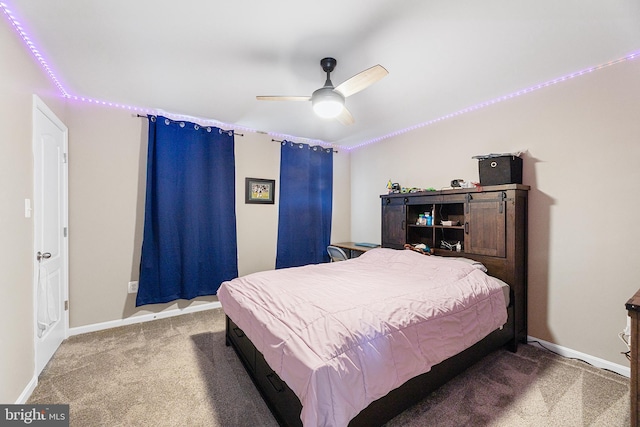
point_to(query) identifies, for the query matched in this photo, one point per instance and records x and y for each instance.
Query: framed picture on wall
(261, 191)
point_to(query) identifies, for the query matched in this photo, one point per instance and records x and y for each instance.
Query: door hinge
(64, 157)
(66, 305)
(65, 231)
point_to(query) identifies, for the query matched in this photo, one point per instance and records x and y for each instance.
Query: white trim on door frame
(39, 107)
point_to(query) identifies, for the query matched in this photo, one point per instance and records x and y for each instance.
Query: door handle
(40, 256)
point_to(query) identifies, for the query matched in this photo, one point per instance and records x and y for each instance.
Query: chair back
(336, 253)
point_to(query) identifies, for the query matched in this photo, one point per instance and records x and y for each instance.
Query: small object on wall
(259, 191)
(132, 287)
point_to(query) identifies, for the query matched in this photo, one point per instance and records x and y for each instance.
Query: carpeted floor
(178, 372)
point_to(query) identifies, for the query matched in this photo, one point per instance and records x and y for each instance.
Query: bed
(357, 342)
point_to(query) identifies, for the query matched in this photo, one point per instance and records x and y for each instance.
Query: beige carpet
(178, 372)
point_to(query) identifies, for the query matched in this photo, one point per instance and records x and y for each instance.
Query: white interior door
(50, 233)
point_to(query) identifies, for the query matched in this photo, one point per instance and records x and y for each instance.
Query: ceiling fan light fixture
(328, 109)
(327, 103)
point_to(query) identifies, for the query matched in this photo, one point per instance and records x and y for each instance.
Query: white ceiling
(209, 59)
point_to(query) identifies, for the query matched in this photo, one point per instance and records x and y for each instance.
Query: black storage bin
(500, 170)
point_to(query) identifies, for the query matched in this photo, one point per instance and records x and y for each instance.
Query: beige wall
(107, 166)
(258, 157)
(21, 78)
(583, 142)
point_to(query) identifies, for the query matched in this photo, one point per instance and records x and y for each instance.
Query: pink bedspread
(344, 334)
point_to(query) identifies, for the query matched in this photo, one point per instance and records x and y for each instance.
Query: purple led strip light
(206, 122)
(499, 99)
(23, 35)
(25, 38)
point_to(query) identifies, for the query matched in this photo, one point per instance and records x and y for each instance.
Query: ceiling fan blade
(283, 98)
(345, 117)
(362, 80)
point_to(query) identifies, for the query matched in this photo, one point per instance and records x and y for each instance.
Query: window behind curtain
(304, 219)
(189, 245)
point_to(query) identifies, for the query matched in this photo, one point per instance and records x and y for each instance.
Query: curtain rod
(234, 132)
(275, 140)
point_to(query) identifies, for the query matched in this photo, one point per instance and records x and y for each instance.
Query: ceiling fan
(328, 101)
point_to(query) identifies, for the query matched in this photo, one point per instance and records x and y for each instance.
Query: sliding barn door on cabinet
(485, 226)
(393, 222)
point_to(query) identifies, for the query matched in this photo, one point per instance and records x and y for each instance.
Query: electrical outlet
(133, 287)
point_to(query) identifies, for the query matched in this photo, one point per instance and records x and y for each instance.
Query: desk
(352, 250)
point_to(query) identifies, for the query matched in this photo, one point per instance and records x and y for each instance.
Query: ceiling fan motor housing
(328, 64)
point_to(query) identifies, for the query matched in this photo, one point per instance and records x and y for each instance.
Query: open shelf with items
(450, 220)
(464, 220)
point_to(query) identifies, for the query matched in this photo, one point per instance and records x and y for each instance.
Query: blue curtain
(304, 220)
(189, 245)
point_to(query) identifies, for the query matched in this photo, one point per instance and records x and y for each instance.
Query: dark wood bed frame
(286, 406)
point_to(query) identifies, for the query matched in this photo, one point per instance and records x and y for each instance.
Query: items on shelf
(452, 247)
(500, 168)
(425, 219)
(420, 248)
(395, 188)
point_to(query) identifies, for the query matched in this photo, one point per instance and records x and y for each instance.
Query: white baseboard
(114, 324)
(143, 318)
(592, 360)
(22, 399)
